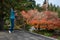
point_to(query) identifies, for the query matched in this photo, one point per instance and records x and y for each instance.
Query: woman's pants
(12, 25)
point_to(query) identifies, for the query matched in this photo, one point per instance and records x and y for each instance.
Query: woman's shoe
(9, 31)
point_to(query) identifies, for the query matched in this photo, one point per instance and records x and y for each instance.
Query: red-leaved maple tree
(45, 20)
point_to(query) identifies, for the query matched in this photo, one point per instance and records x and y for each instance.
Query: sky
(56, 2)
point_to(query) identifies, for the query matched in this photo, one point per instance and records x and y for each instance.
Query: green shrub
(48, 34)
(6, 27)
(27, 27)
(58, 38)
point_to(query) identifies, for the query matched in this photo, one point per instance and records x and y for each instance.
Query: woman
(12, 17)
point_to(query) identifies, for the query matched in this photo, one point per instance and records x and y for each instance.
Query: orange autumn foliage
(45, 20)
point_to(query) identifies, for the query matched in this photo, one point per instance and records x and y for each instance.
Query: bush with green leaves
(27, 27)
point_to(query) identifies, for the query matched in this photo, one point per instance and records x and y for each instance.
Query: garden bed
(48, 34)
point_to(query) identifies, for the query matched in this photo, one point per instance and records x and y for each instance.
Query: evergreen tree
(19, 5)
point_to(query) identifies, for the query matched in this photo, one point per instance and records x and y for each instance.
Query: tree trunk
(1, 15)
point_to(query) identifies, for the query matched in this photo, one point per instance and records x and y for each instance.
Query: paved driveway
(19, 35)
